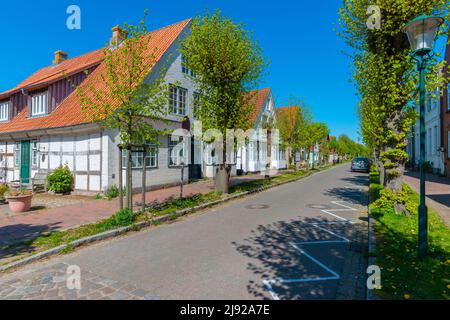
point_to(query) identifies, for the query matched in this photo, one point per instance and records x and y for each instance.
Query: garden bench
(39, 182)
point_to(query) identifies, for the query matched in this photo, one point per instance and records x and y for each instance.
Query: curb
(143, 224)
(372, 261)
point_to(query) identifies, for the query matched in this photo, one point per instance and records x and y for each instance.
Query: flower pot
(19, 204)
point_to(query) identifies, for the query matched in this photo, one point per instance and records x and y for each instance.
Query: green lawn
(404, 276)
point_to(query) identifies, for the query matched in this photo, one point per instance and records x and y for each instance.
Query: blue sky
(297, 36)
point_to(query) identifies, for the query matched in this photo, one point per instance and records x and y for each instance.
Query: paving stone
(107, 291)
(119, 295)
(139, 293)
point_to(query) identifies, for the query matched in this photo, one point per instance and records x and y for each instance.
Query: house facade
(263, 150)
(433, 151)
(42, 125)
(445, 119)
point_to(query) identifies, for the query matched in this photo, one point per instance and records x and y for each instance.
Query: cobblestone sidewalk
(51, 283)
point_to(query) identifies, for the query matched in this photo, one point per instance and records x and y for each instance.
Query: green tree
(226, 63)
(384, 74)
(289, 120)
(121, 97)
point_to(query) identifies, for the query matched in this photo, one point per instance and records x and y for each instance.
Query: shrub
(112, 192)
(387, 198)
(60, 180)
(124, 217)
(3, 189)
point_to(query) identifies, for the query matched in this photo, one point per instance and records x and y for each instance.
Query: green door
(25, 154)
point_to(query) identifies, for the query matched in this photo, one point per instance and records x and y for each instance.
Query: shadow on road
(351, 194)
(275, 257)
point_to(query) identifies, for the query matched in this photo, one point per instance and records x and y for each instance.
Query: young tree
(289, 121)
(121, 97)
(385, 77)
(226, 63)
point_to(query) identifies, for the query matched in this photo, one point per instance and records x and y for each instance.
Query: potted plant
(19, 200)
(3, 189)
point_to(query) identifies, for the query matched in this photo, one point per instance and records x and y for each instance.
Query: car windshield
(360, 160)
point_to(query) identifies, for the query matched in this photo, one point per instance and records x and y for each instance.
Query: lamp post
(421, 33)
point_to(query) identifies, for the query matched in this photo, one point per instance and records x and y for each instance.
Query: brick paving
(51, 283)
(437, 191)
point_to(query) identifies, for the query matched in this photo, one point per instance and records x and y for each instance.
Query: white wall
(433, 135)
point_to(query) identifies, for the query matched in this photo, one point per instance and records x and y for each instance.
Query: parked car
(360, 165)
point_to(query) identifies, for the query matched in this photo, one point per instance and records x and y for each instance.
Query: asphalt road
(290, 242)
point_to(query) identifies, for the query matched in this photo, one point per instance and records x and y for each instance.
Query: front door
(25, 154)
(195, 170)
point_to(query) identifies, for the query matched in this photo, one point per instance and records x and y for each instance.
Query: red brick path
(437, 191)
(16, 228)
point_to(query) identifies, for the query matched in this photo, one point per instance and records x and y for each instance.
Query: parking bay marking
(334, 275)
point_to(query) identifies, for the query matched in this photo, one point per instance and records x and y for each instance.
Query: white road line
(335, 276)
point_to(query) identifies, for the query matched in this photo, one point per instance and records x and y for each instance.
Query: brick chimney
(118, 36)
(60, 56)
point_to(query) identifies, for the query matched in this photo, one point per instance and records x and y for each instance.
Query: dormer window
(39, 104)
(4, 111)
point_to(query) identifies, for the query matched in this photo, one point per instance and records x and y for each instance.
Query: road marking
(334, 275)
(339, 203)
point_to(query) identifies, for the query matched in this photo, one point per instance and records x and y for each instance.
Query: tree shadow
(359, 180)
(271, 247)
(17, 239)
(443, 199)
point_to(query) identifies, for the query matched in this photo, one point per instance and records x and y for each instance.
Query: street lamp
(421, 33)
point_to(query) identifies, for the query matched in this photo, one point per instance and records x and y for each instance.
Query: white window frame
(34, 153)
(151, 157)
(178, 99)
(184, 68)
(17, 154)
(252, 150)
(4, 111)
(175, 160)
(282, 155)
(39, 104)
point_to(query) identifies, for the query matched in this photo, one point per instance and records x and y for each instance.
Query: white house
(433, 154)
(43, 127)
(263, 147)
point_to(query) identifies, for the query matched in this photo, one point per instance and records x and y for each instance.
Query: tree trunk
(144, 182)
(129, 180)
(222, 181)
(120, 179)
(395, 182)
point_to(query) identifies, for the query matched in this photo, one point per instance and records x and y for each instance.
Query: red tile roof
(53, 73)
(69, 112)
(256, 99)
